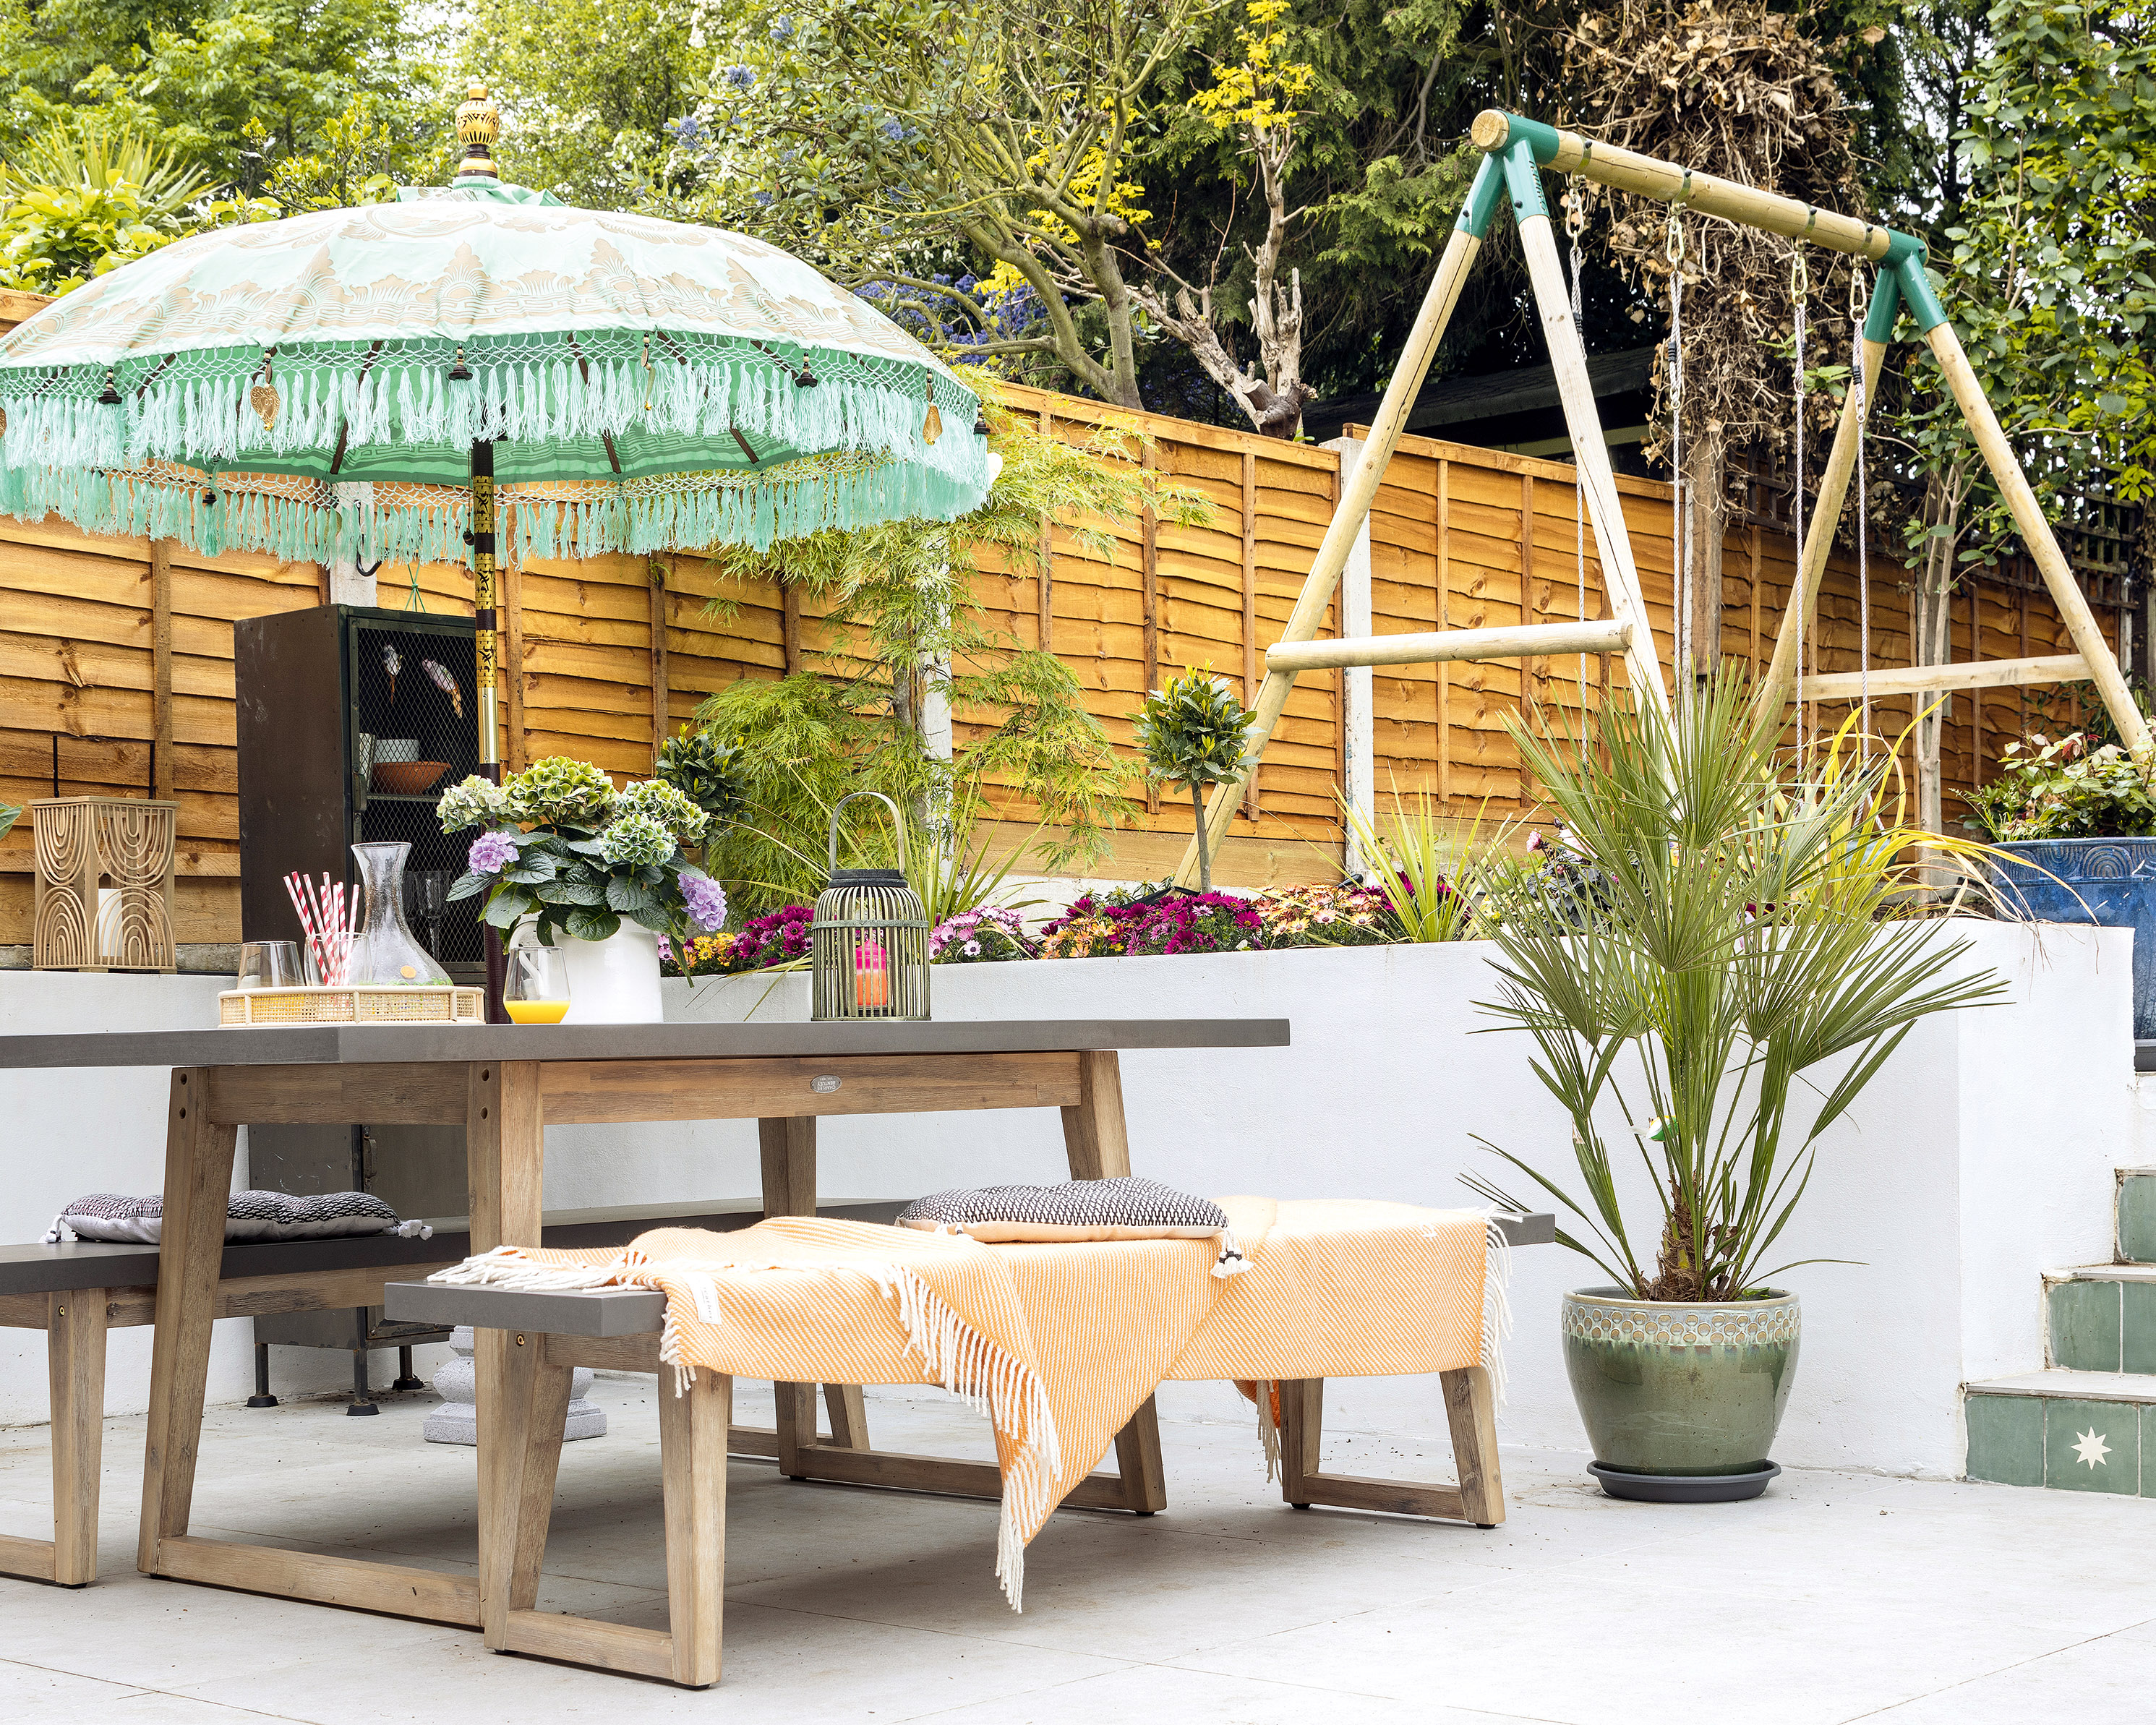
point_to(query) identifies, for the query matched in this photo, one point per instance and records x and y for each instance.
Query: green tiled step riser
(2137, 1218)
(2068, 1445)
(2102, 1326)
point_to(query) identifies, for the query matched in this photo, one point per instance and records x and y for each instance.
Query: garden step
(2071, 1431)
(2136, 1210)
(2100, 1318)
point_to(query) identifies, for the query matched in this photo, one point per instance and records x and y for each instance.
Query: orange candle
(871, 976)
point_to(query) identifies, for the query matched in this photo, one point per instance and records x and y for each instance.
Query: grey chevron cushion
(250, 1216)
(1126, 1208)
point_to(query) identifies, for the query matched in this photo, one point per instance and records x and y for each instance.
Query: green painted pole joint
(1886, 307)
(1480, 208)
(1917, 291)
(1523, 179)
(1541, 139)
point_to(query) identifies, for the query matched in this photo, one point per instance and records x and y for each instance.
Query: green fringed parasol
(317, 388)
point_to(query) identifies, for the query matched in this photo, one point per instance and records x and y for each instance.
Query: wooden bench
(78, 1291)
(618, 1330)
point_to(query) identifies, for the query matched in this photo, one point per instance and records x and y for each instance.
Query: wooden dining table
(505, 1085)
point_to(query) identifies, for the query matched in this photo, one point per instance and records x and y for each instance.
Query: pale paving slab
(1978, 1603)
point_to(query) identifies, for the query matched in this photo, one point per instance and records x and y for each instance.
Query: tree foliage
(903, 639)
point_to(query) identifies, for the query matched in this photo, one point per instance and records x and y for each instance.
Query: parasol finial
(479, 124)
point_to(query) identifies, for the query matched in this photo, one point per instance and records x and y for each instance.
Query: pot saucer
(1684, 1488)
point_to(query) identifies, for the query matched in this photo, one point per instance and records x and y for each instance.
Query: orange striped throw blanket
(1058, 1344)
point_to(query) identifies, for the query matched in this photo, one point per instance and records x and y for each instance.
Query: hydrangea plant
(559, 844)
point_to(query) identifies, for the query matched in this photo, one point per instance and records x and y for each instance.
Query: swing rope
(1673, 248)
(1575, 225)
(1856, 305)
(1800, 288)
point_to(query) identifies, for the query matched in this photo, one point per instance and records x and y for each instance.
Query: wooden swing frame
(1516, 150)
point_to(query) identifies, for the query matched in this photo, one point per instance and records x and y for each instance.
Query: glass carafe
(384, 952)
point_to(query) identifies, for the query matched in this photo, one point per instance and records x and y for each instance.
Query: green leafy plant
(1435, 879)
(1194, 732)
(2064, 789)
(559, 844)
(1743, 934)
(903, 638)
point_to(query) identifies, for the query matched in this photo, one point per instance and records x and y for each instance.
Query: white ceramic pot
(614, 981)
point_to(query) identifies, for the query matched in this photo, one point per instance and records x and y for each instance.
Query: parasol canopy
(316, 388)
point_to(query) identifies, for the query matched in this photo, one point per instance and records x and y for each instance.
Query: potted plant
(1710, 940)
(604, 871)
(2074, 831)
(1195, 733)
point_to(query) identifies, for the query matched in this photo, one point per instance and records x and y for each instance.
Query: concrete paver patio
(1836, 1597)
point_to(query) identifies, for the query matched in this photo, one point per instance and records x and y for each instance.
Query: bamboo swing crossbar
(1945, 679)
(1445, 645)
(1516, 150)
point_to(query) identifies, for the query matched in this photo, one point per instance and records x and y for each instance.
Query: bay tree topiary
(1194, 732)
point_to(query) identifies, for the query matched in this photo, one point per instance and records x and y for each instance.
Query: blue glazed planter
(2116, 879)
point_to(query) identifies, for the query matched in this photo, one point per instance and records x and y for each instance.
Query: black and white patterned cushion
(1126, 1208)
(251, 1216)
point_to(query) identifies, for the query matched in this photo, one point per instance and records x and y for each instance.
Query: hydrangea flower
(666, 805)
(706, 901)
(491, 853)
(475, 803)
(560, 791)
(637, 841)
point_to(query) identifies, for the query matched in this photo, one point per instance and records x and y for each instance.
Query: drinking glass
(534, 987)
(427, 894)
(269, 964)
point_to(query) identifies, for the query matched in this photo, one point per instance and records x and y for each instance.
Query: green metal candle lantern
(869, 944)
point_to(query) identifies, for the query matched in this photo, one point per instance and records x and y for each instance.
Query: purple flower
(491, 853)
(706, 901)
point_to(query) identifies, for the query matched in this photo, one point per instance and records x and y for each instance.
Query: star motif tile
(2093, 1445)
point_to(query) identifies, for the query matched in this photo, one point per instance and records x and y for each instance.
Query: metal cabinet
(313, 686)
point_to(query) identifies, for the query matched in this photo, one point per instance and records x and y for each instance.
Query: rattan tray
(363, 1004)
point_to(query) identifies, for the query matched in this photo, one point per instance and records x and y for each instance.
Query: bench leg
(198, 1186)
(1472, 1411)
(1469, 1407)
(692, 1460)
(74, 1350)
(692, 1448)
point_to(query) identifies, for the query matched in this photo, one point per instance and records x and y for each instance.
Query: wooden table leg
(505, 1141)
(1471, 1410)
(75, 1352)
(1098, 1144)
(787, 1145)
(198, 1188)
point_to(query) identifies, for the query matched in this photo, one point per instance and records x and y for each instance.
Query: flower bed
(1137, 922)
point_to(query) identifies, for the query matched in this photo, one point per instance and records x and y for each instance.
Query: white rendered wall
(1982, 1155)
(64, 1134)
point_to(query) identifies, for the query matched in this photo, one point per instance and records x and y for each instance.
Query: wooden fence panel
(602, 659)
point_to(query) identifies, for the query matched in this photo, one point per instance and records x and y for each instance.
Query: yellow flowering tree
(1255, 97)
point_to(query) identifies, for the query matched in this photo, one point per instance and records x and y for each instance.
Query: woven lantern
(869, 943)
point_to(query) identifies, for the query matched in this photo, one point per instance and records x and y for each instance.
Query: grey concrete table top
(370, 1044)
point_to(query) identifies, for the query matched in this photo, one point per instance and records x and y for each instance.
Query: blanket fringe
(1269, 1440)
(1496, 1306)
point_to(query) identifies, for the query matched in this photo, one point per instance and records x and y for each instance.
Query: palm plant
(1743, 934)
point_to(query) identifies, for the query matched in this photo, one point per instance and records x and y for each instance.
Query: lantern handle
(897, 822)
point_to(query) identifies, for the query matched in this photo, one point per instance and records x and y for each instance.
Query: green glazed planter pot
(1680, 1387)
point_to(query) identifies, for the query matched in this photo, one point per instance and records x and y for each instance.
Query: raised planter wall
(1983, 1154)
